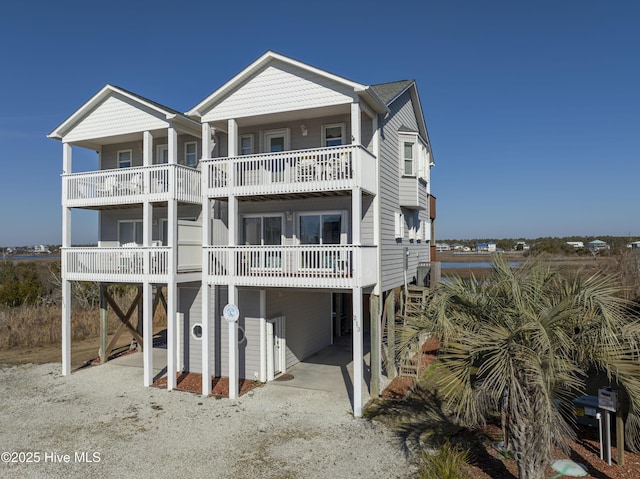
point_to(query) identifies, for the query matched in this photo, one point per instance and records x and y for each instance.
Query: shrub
(447, 463)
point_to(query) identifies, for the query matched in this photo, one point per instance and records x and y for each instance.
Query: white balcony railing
(132, 185)
(309, 266)
(124, 264)
(300, 171)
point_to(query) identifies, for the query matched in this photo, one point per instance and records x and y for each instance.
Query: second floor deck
(124, 186)
(298, 172)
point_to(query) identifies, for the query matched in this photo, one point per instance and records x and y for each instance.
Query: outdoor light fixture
(303, 130)
(289, 215)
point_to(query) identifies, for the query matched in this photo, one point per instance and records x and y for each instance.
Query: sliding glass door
(263, 231)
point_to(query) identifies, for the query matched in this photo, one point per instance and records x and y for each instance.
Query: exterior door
(275, 142)
(321, 229)
(276, 347)
(263, 231)
(163, 154)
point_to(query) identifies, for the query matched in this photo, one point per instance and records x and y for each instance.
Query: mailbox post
(608, 402)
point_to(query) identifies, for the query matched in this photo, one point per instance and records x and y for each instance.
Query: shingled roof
(389, 91)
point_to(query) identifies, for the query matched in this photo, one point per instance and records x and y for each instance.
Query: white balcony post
(66, 243)
(356, 134)
(206, 293)
(147, 333)
(358, 369)
(233, 292)
(172, 286)
(206, 141)
(147, 159)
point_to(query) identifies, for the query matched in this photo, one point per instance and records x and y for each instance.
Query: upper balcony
(125, 186)
(298, 172)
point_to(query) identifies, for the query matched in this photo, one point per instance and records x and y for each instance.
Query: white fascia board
(269, 56)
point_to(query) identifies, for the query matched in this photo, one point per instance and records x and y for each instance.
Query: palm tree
(519, 344)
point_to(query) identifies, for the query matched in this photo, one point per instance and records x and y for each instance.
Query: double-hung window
(246, 144)
(124, 159)
(333, 135)
(408, 158)
(191, 154)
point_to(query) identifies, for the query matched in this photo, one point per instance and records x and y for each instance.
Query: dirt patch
(192, 382)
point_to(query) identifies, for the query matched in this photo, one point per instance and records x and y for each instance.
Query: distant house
(634, 245)
(597, 245)
(41, 249)
(489, 247)
(443, 247)
(522, 246)
(576, 244)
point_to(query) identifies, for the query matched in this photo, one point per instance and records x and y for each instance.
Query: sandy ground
(101, 423)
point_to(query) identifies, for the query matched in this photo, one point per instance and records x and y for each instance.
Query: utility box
(585, 408)
(423, 275)
(608, 399)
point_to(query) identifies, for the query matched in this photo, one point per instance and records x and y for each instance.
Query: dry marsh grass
(41, 325)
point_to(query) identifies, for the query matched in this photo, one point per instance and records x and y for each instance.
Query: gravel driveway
(101, 423)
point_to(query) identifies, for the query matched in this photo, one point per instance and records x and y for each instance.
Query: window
(162, 156)
(408, 158)
(325, 228)
(190, 154)
(263, 231)
(333, 135)
(399, 225)
(246, 144)
(130, 231)
(124, 159)
(196, 331)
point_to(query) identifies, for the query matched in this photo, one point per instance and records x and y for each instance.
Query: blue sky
(533, 108)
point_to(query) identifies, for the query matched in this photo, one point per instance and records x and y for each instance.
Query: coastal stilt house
(297, 196)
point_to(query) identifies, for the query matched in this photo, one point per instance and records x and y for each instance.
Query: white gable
(277, 88)
(116, 115)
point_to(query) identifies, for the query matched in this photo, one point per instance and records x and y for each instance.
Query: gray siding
(249, 348)
(108, 220)
(392, 250)
(308, 321)
(109, 153)
(190, 304)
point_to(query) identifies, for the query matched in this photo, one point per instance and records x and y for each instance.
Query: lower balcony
(131, 185)
(302, 266)
(129, 264)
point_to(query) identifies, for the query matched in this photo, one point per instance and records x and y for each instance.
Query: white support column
(233, 348)
(356, 128)
(172, 285)
(356, 216)
(358, 369)
(206, 293)
(147, 332)
(233, 291)
(207, 145)
(66, 285)
(263, 336)
(147, 148)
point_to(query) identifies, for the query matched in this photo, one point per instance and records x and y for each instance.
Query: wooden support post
(104, 332)
(620, 436)
(125, 321)
(374, 313)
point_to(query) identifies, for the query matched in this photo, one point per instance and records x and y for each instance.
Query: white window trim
(333, 125)
(193, 333)
(186, 144)
(344, 223)
(159, 149)
(404, 139)
(251, 144)
(278, 132)
(262, 216)
(399, 225)
(130, 158)
(134, 221)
